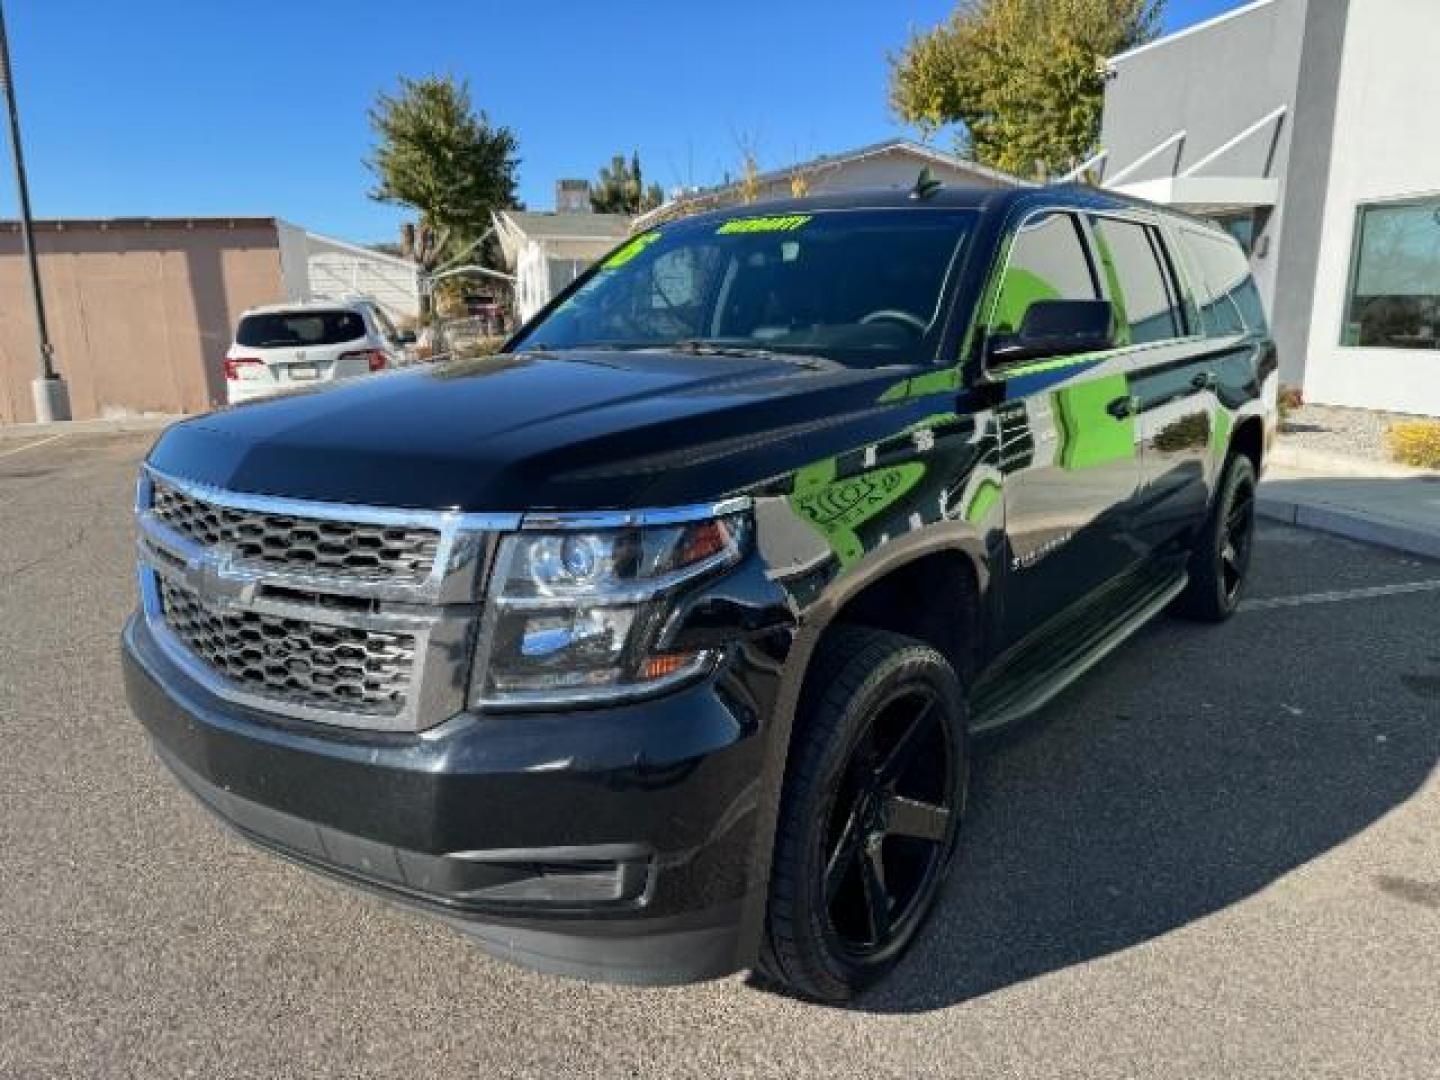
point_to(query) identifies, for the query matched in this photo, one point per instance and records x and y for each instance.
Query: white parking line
(32, 445)
(1339, 595)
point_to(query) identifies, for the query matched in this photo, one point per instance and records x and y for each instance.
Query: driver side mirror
(405, 337)
(1057, 328)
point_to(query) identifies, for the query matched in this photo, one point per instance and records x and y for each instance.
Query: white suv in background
(282, 347)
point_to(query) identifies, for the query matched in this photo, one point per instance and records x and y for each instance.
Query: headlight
(577, 614)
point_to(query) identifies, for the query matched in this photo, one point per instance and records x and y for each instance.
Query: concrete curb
(1286, 455)
(87, 427)
(1351, 525)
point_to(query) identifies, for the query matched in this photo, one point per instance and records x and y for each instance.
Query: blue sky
(163, 107)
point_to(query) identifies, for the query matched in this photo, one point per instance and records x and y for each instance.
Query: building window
(1241, 226)
(1394, 299)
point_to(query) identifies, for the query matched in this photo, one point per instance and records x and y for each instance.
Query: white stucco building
(1306, 127)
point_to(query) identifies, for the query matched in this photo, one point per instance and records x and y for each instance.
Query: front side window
(861, 287)
(1047, 262)
(1140, 286)
(1394, 299)
(1231, 303)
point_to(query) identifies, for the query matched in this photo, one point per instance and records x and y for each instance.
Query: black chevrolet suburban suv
(650, 649)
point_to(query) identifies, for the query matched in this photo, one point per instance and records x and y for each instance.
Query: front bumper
(609, 843)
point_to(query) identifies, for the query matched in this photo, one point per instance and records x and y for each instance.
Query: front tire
(873, 796)
(1220, 560)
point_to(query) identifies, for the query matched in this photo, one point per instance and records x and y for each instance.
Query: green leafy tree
(441, 158)
(1024, 78)
(437, 155)
(621, 188)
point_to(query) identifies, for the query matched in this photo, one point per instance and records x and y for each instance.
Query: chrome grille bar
(378, 642)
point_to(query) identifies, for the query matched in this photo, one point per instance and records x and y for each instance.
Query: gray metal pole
(52, 400)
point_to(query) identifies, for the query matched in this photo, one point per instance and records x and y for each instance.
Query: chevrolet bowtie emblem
(210, 576)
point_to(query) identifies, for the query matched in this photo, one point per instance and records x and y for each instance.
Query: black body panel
(1026, 516)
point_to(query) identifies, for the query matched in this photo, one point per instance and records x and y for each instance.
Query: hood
(576, 430)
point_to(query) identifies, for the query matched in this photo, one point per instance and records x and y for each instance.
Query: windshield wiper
(702, 347)
(687, 347)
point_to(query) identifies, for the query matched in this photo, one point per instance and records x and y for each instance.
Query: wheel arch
(956, 547)
(1248, 438)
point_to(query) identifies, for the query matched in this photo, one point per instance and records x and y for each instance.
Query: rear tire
(1220, 559)
(873, 796)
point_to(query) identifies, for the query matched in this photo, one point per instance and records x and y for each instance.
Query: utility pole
(52, 398)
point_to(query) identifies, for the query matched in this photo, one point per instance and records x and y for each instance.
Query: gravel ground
(1334, 430)
(1215, 856)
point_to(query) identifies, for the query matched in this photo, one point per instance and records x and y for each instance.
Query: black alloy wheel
(873, 797)
(1220, 557)
(886, 834)
(1237, 539)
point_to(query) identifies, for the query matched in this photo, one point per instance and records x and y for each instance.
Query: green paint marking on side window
(1021, 289)
(1112, 283)
(1089, 435)
(778, 223)
(982, 501)
(624, 254)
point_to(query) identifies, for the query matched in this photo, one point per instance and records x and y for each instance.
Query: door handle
(1122, 407)
(1204, 381)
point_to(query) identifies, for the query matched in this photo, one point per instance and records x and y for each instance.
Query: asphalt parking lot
(1219, 855)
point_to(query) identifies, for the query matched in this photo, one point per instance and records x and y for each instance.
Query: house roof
(908, 146)
(553, 226)
(923, 154)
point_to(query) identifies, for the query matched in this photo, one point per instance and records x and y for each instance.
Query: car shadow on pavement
(1171, 783)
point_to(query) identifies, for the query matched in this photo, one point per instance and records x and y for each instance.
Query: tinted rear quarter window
(1140, 284)
(1230, 302)
(297, 329)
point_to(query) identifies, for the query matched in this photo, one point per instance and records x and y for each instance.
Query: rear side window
(1047, 262)
(1230, 302)
(295, 329)
(1140, 284)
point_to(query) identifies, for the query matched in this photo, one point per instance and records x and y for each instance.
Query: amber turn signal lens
(703, 540)
(657, 667)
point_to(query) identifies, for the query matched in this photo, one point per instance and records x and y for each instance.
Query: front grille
(293, 660)
(365, 552)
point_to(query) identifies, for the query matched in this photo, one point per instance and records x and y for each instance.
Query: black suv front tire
(872, 802)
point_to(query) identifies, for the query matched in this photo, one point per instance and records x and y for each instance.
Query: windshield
(862, 287)
(293, 329)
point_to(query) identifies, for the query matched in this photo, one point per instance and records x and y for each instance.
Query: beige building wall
(140, 312)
